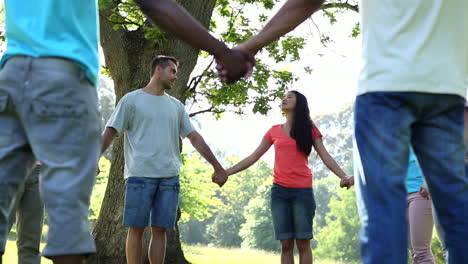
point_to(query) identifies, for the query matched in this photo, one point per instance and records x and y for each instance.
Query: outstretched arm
(171, 17)
(291, 14)
(329, 161)
(251, 159)
(200, 145)
(220, 176)
(107, 137)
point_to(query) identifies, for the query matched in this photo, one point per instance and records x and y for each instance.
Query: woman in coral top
(292, 198)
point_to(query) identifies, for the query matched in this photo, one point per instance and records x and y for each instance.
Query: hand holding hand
(220, 177)
(234, 65)
(347, 182)
(424, 192)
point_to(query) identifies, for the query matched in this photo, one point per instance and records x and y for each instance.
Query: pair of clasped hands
(234, 64)
(220, 176)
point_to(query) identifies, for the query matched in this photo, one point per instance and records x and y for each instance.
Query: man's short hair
(163, 62)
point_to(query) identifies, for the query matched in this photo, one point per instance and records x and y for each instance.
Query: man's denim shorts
(155, 199)
(293, 211)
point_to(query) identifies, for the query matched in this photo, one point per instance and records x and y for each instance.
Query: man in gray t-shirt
(153, 123)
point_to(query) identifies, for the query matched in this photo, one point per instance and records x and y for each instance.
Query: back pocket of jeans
(133, 191)
(59, 123)
(54, 110)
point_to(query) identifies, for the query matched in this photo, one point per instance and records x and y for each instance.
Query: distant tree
(194, 232)
(197, 191)
(338, 130)
(258, 232)
(324, 189)
(338, 240)
(236, 194)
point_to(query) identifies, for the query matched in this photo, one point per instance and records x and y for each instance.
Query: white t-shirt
(153, 126)
(414, 46)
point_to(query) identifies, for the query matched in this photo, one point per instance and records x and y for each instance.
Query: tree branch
(195, 81)
(344, 5)
(202, 111)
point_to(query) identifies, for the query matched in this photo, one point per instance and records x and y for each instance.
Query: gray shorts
(49, 111)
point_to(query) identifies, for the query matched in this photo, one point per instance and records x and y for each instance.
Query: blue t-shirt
(54, 28)
(414, 176)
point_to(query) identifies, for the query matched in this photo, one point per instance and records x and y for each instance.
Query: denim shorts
(293, 211)
(155, 199)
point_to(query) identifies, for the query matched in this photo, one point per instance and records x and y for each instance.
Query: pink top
(291, 165)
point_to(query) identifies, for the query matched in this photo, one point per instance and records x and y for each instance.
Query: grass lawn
(211, 255)
(196, 255)
(11, 256)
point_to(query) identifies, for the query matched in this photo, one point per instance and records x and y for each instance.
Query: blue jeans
(293, 211)
(151, 198)
(385, 124)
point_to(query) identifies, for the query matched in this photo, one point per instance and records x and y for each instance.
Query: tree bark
(128, 56)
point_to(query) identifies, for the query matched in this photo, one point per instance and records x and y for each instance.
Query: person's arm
(329, 161)
(220, 176)
(251, 159)
(107, 137)
(171, 17)
(200, 145)
(291, 14)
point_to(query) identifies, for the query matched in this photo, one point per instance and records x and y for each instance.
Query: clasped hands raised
(234, 64)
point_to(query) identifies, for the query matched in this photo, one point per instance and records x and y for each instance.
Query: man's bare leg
(134, 246)
(157, 251)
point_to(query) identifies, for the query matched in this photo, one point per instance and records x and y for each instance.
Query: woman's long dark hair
(301, 129)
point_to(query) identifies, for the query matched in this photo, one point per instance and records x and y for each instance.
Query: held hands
(235, 64)
(347, 182)
(424, 192)
(220, 177)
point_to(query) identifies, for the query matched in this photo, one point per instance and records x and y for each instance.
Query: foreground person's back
(411, 91)
(54, 28)
(48, 110)
(414, 46)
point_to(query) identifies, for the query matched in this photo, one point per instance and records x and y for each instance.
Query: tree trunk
(128, 56)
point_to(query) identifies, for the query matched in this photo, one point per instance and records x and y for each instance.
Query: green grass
(196, 255)
(211, 255)
(11, 256)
